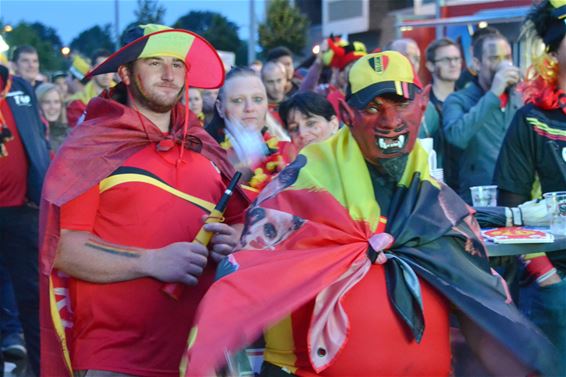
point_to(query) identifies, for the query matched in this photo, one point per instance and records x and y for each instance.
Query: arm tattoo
(112, 249)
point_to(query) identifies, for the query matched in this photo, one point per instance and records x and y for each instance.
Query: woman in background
(52, 109)
(195, 104)
(240, 117)
(308, 118)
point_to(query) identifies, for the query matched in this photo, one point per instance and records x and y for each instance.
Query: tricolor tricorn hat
(386, 72)
(204, 66)
(79, 68)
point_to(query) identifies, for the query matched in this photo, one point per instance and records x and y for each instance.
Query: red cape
(110, 134)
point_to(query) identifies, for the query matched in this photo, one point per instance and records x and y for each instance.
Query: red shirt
(133, 327)
(334, 96)
(378, 343)
(14, 167)
(274, 112)
(75, 110)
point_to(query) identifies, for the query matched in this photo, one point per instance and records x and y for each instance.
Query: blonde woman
(53, 110)
(242, 108)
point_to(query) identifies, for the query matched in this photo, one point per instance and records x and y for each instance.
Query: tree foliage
(49, 34)
(217, 29)
(148, 12)
(284, 26)
(93, 39)
(43, 38)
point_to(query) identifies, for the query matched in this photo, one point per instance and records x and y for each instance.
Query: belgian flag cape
(308, 236)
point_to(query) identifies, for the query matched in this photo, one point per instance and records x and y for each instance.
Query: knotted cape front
(309, 234)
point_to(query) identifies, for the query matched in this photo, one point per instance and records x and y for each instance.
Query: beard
(394, 167)
(152, 100)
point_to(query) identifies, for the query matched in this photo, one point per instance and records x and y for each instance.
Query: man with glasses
(476, 118)
(444, 62)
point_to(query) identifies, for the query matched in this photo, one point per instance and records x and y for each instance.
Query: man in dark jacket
(24, 158)
(476, 117)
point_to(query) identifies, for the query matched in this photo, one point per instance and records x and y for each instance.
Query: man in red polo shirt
(122, 205)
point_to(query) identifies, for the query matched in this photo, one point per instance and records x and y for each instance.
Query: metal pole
(439, 29)
(251, 37)
(117, 22)
(398, 32)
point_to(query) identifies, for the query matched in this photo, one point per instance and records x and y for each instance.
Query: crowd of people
(340, 251)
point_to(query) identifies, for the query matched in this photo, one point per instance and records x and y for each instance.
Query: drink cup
(504, 64)
(427, 143)
(438, 174)
(556, 206)
(484, 196)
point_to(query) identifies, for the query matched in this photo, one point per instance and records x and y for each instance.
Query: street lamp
(8, 28)
(65, 51)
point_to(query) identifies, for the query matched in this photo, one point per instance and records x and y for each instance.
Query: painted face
(287, 62)
(104, 80)
(244, 100)
(274, 78)
(27, 66)
(447, 63)
(195, 101)
(51, 105)
(266, 228)
(495, 51)
(388, 127)
(157, 83)
(306, 129)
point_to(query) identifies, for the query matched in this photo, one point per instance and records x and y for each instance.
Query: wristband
(542, 278)
(517, 216)
(508, 217)
(539, 267)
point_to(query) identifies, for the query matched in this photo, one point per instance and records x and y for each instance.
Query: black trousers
(19, 255)
(271, 370)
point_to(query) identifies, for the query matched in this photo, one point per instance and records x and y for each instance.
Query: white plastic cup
(484, 196)
(556, 206)
(438, 174)
(428, 144)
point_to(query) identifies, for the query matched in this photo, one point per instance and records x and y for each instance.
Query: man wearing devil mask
(369, 253)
